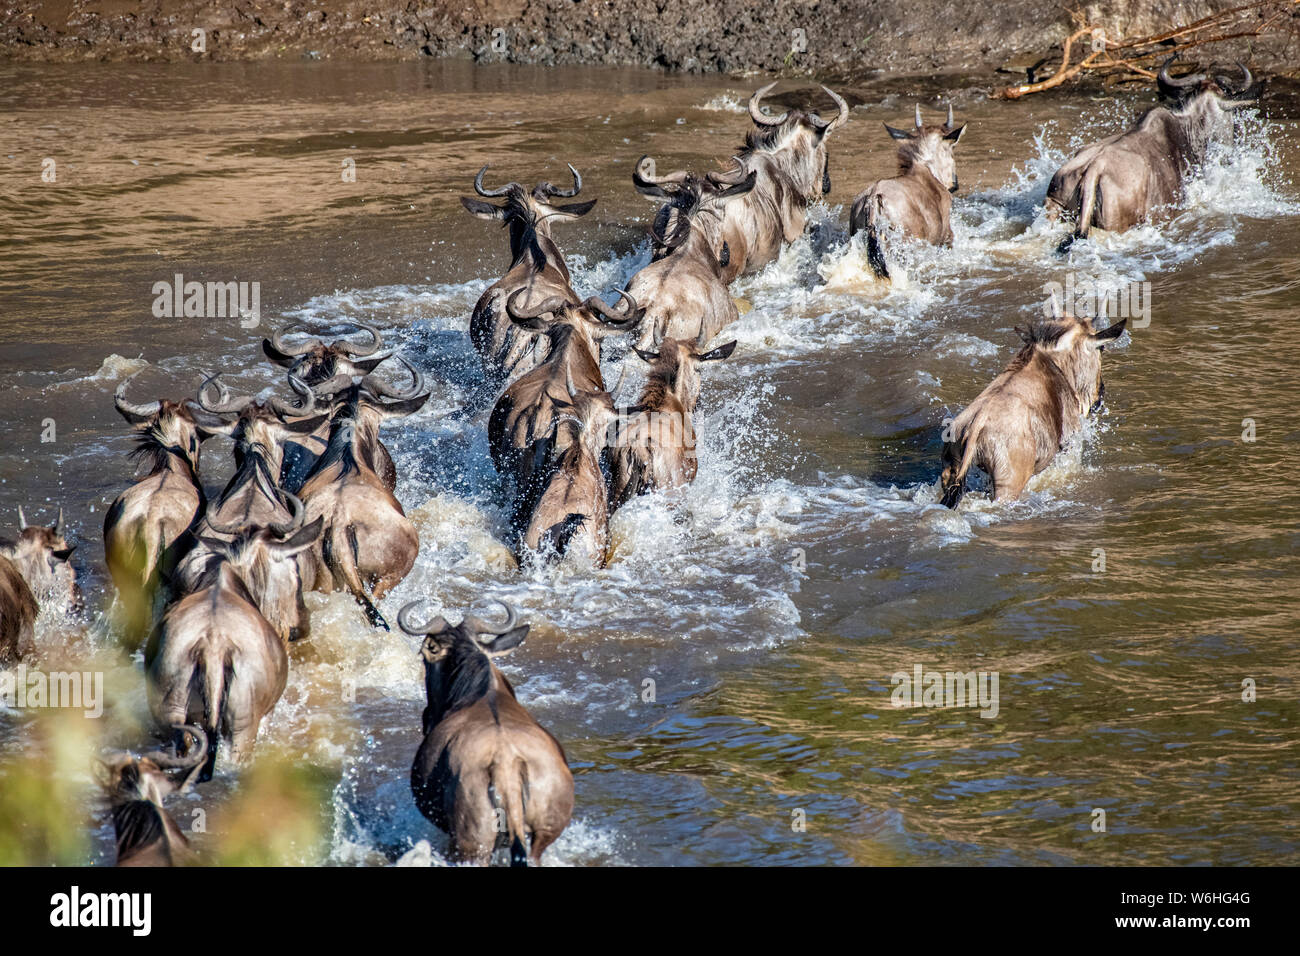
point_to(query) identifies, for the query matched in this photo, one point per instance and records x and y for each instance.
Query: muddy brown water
(771, 605)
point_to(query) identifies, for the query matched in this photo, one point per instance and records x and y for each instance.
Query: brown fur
(1015, 427)
(918, 201)
(1121, 181)
(656, 447)
(18, 610)
(483, 753)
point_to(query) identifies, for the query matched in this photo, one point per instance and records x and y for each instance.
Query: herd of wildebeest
(213, 587)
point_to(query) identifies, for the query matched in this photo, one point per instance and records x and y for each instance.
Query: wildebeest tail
(349, 568)
(875, 253)
(510, 784)
(1087, 200)
(955, 485)
(212, 673)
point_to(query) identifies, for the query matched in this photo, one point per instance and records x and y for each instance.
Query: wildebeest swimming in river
(1015, 427)
(1121, 181)
(486, 773)
(918, 201)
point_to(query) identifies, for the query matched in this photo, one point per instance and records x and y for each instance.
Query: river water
(809, 562)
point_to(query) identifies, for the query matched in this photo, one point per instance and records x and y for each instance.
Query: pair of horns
(353, 350)
(195, 756)
(226, 405)
(1171, 84)
(471, 622)
(373, 385)
(762, 119)
(58, 522)
(281, 529)
(556, 304)
(543, 190)
(920, 125)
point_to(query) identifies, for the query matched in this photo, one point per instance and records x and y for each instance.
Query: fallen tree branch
(1136, 58)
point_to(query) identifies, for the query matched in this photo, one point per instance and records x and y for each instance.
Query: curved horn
(645, 176)
(566, 193)
(58, 522)
(919, 124)
(277, 341)
(618, 386)
(285, 409)
(331, 387)
(381, 390)
(22, 518)
(843, 116)
(756, 111)
(297, 513)
(568, 381)
(948, 123)
(1165, 80)
(554, 304)
(130, 409)
(731, 177)
(488, 193)
(225, 404)
(197, 754)
(1247, 80)
(360, 351)
(407, 623)
(607, 314)
(480, 626)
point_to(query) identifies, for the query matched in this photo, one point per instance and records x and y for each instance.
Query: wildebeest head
(314, 361)
(126, 778)
(524, 212)
(168, 427)
(261, 425)
(801, 136)
(457, 659)
(691, 199)
(1204, 102)
(136, 788)
(592, 318)
(43, 557)
(264, 557)
(930, 147)
(676, 366)
(1071, 344)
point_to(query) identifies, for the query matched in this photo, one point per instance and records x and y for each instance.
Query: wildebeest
(486, 773)
(215, 660)
(1015, 427)
(788, 152)
(655, 444)
(683, 285)
(18, 611)
(368, 545)
(918, 201)
(522, 435)
(42, 556)
(570, 514)
(147, 518)
(536, 266)
(315, 362)
(1121, 181)
(136, 788)
(251, 498)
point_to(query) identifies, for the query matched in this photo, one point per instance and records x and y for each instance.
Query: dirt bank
(846, 37)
